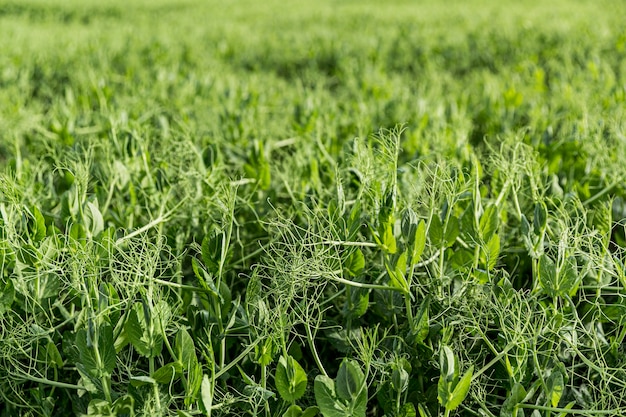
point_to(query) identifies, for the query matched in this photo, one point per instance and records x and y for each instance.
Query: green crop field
(328, 208)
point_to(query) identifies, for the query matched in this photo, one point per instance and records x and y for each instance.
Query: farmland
(297, 209)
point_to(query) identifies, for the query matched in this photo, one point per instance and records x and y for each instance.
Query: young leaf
(493, 251)
(409, 226)
(355, 263)
(555, 387)
(460, 390)
(206, 392)
(420, 242)
(407, 410)
(37, 225)
(488, 223)
(291, 379)
(212, 251)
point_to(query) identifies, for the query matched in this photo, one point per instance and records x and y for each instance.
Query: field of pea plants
(334, 208)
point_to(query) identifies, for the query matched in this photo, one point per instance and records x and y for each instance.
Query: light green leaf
(407, 410)
(555, 387)
(139, 381)
(488, 224)
(388, 239)
(420, 242)
(293, 411)
(548, 276)
(95, 221)
(493, 251)
(460, 390)
(206, 392)
(355, 263)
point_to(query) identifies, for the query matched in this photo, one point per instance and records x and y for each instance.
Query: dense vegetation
(299, 208)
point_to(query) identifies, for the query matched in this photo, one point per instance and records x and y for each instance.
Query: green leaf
(493, 251)
(165, 374)
(124, 406)
(350, 380)
(53, 355)
(293, 411)
(420, 329)
(94, 221)
(555, 387)
(420, 242)
(140, 381)
(185, 349)
(206, 392)
(135, 332)
(357, 303)
(296, 411)
(205, 279)
(460, 390)
(212, 251)
(264, 352)
(435, 231)
(407, 410)
(409, 226)
(96, 359)
(388, 239)
(39, 225)
(7, 295)
(510, 405)
(488, 224)
(540, 218)
(355, 263)
(452, 231)
(326, 398)
(310, 412)
(548, 276)
(291, 379)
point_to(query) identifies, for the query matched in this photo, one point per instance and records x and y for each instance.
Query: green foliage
(201, 216)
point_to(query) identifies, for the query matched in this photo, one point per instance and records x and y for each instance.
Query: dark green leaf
(165, 374)
(509, 407)
(212, 251)
(7, 295)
